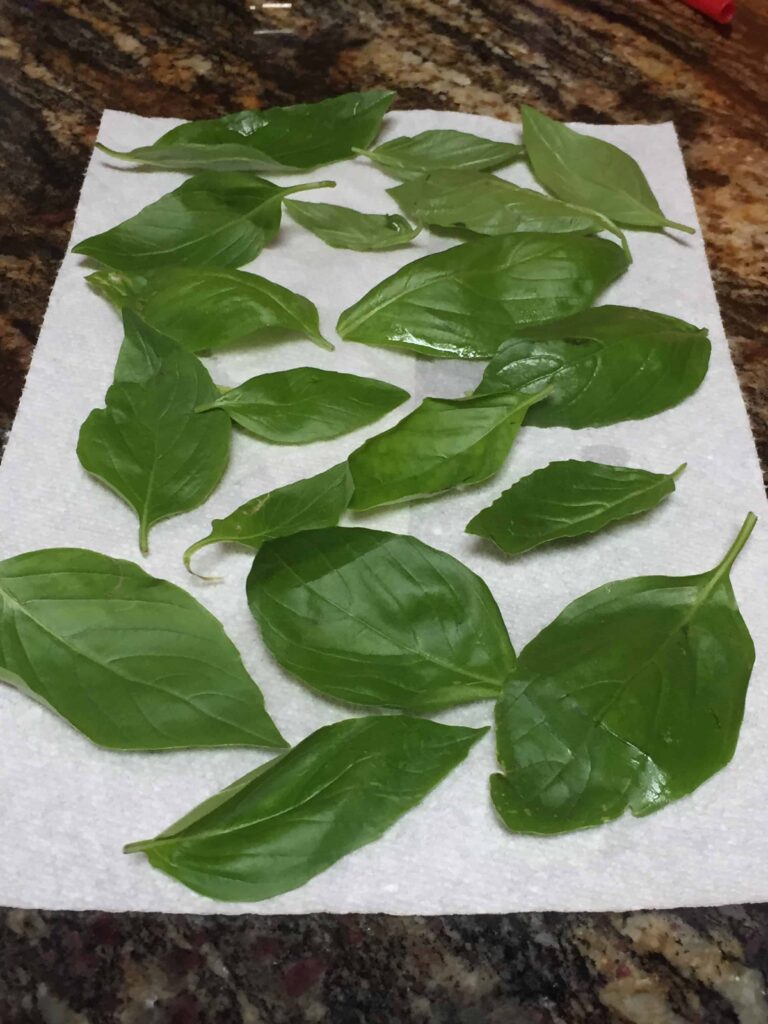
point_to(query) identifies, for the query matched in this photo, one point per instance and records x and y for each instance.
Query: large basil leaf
(148, 443)
(630, 699)
(306, 404)
(379, 619)
(212, 220)
(464, 302)
(411, 156)
(444, 443)
(339, 789)
(208, 308)
(133, 662)
(568, 499)
(302, 505)
(589, 172)
(344, 228)
(280, 139)
(606, 364)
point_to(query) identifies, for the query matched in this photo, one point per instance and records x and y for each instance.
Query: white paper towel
(67, 807)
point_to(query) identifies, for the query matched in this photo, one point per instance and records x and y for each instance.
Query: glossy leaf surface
(344, 228)
(410, 156)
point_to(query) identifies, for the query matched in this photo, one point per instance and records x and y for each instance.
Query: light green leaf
(411, 156)
(349, 229)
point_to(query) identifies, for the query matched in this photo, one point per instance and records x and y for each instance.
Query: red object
(721, 10)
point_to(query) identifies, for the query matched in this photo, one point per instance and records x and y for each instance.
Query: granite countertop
(62, 62)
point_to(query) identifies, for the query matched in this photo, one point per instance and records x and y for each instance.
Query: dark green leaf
(212, 220)
(464, 302)
(206, 308)
(444, 443)
(133, 662)
(630, 699)
(606, 364)
(349, 229)
(306, 404)
(280, 139)
(148, 444)
(411, 156)
(302, 505)
(589, 172)
(568, 499)
(339, 789)
(379, 619)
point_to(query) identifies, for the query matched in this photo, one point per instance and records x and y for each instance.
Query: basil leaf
(606, 364)
(302, 505)
(132, 662)
(206, 308)
(411, 156)
(568, 499)
(464, 302)
(306, 404)
(280, 139)
(379, 619)
(444, 443)
(630, 699)
(148, 444)
(339, 789)
(212, 220)
(349, 229)
(589, 172)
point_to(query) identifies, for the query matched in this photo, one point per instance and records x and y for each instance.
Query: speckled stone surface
(61, 63)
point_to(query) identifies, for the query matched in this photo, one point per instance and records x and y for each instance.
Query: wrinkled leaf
(306, 404)
(379, 619)
(568, 499)
(148, 444)
(212, 220)
(411, 156)
(464, 302)
(339, 789)
(630, 699)
(344, 228)
(132, 662)
(606, 364)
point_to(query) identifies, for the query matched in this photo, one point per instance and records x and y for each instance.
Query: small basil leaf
(306, 404)
(148, 444)
(589, 172)
(206, 308)
(444, 443)
(280, 139)
(464, 302)
(411, 156)
(132, 662)
(568, 499)
(630, 699)
(212, 220)
(349, 229)
(339, 789)
(606, 364)
(302, 505)
(379, 619)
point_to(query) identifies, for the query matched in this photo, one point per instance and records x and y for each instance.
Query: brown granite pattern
(61, 62)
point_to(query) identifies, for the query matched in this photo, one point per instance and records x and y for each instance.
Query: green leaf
(379, 619)
(148, 444)
(606, 364)
(280, 139)
(443, 443)
(132, 662)
(206, 308)
(307, 504)
(464, 302)
(212, 220)
(349, 229)
(568, 499)
(411, 156)
(590, 172)
(339, 789)
(306, 404)
(630, 699)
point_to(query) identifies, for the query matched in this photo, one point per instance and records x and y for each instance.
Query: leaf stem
(306, 186)
(680, 469)
(140, 846)
(679, 227)
(741, 539)
(197, 546)
(144, 536)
